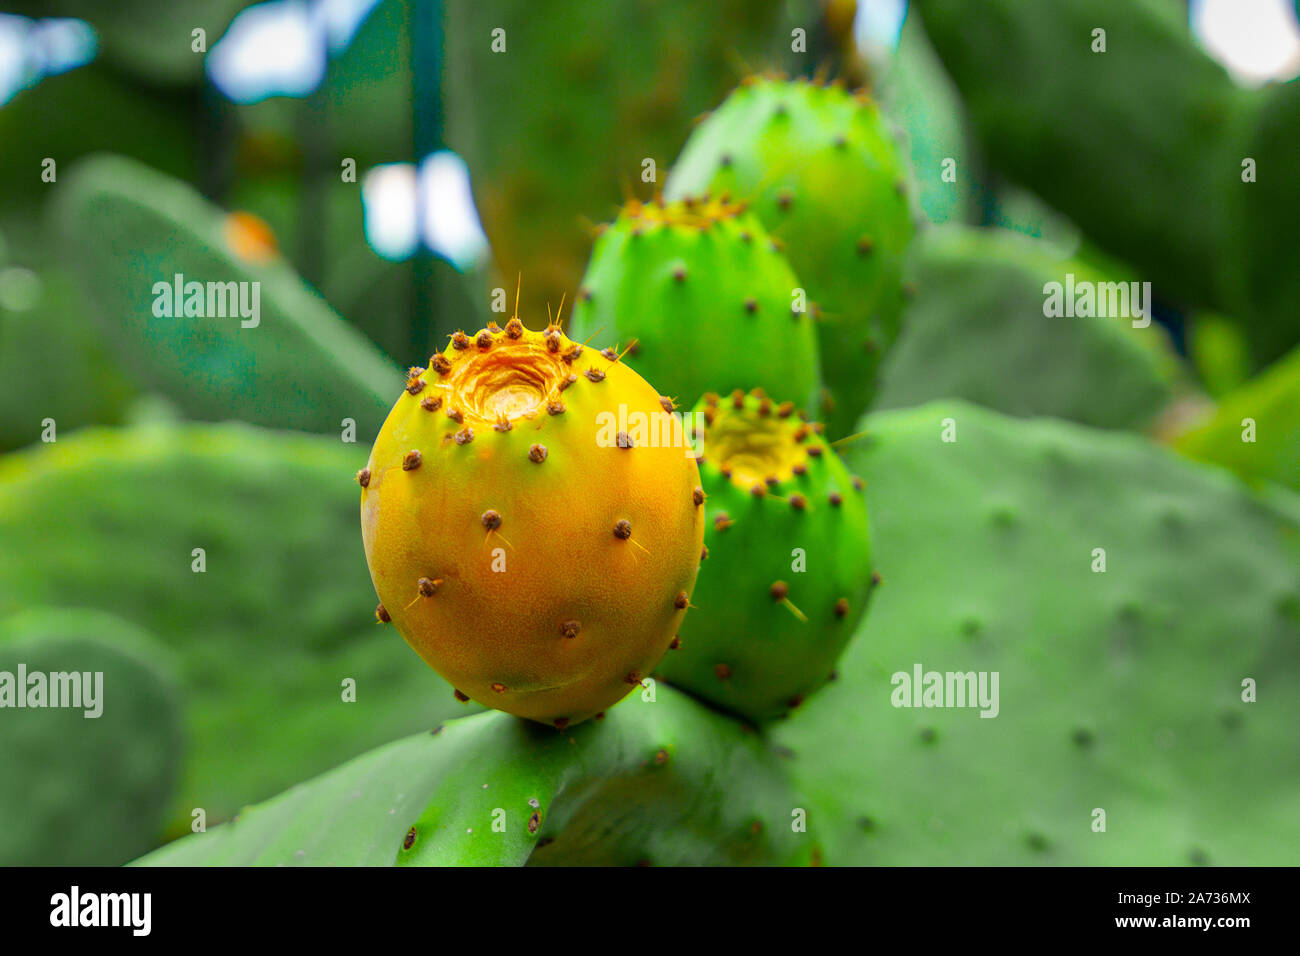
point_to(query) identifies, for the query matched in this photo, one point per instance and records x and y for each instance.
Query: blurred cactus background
(177, 509)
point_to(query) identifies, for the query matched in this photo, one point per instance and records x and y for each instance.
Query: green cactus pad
(1119, 690)
(1271, 402)
(708, 299)
(826, 179)
(1150, 132)
(787, 572)
(558, 125)
(76, 789)
(267, 634)
(663, 781)
(128, 228)
(977, 331)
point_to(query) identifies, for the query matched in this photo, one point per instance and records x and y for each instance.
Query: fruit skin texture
(826, 179)
(519, 545)
(744, 648)
(708, 298)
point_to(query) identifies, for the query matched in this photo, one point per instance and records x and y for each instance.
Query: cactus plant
(266, 630)
(826, 179)
(702, 298)
(788, 569)
(565, 532)
(977, 330)
(120, 741)
(649, 784)
(131, 232)
(1121, 673)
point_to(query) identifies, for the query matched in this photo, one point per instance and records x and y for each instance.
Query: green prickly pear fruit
(825, 177)
(702, 298)
(528, 532)
(787, 573)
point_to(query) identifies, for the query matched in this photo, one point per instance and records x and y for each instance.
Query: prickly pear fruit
(788, 568)
(826, 179)
(527, 531)
(706, 295)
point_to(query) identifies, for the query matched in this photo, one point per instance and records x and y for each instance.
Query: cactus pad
(977, 331)
(1120, 690)
(266, 634)
(654, 782)
(128, 229)
(77, 789)
(1266, 409)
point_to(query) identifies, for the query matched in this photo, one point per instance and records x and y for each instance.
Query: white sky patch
(31, 50)
(878, 24)
(272, 49)
(1256, 40)
(394, 195)
(59, 45)
(282, 48)
(388, 196)
(451, 224)
(342, 19)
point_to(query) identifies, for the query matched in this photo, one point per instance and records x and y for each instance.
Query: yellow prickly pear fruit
(533, 523)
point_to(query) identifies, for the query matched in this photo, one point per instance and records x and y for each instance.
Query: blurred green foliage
(1255, 430)
(265, 636)
(1134, 138)
(557, 128)
(977, 330)
(81, 790)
